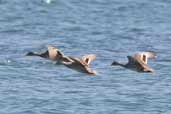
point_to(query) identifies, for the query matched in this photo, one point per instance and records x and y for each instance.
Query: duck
(51, 53)
(80, 64)
(138, 62)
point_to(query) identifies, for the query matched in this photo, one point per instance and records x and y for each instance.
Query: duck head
(31, 54)
(115, 63)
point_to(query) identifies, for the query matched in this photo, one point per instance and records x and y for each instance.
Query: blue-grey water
(112, 29)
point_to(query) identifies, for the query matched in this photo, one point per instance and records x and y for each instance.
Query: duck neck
(115, 63)
(43, 55)
(32, 54)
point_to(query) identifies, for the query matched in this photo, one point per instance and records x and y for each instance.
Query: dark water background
(112, 29)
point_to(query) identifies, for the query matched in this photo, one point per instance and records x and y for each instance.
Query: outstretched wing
(67, 59)
(143, 56)
(54, 52)
(138, 64)
(88, 58)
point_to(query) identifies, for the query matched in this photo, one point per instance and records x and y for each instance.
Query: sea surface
(112, 29)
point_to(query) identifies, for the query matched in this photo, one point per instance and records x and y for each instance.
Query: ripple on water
(111, 29)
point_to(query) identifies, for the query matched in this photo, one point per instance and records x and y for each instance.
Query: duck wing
(141, 59)
(143, 56)
(54, 53)
(138, 64)
(87, 59)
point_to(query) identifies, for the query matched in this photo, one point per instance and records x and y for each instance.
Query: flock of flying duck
(137, 62)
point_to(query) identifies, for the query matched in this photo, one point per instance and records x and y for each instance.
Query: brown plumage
(138, 61)
(80, 64)
(51, 53)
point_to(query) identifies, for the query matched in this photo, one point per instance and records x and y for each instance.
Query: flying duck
(51, 53)
(79, 64)
(138, 62)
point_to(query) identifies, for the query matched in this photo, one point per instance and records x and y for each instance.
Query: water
(112, 29)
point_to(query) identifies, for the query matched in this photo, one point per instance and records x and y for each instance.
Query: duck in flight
(80, 64)
(51, 53)
(138, 62)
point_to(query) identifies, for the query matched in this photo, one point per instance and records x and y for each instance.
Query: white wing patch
(143, 56)
(88, 58)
